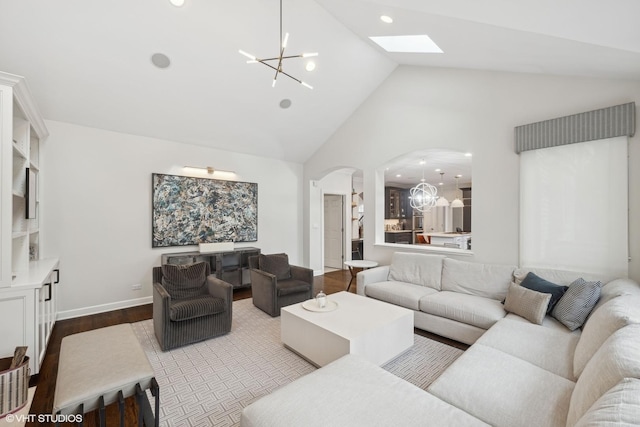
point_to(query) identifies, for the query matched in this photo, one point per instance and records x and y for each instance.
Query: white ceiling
(88, 61)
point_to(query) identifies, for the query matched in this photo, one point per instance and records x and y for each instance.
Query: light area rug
(209, 383)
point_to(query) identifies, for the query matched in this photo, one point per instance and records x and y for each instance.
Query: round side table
(363, 264)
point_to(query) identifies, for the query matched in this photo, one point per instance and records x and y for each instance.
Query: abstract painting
(188, 211)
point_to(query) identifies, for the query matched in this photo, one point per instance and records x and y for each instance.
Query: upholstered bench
(101, 367)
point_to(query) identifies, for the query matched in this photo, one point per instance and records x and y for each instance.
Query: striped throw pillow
(576, 304)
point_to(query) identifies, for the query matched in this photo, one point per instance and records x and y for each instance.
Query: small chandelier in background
(457, 203)
(423, 196)
(278, 67)
(442, 201)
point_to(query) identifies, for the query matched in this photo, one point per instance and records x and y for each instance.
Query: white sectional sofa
(516, 373)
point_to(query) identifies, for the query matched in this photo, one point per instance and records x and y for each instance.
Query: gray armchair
(275, 283)
(189, 304)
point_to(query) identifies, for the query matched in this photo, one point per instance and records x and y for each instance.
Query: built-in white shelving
(28, 284)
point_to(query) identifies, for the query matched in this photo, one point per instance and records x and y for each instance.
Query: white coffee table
(370, 328)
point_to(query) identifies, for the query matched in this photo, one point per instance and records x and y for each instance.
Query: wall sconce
(209, 169)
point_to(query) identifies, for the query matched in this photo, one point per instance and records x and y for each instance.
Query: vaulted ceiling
(88, 62)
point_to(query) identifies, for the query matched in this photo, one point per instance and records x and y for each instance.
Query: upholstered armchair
(275, 283)
(189, 304)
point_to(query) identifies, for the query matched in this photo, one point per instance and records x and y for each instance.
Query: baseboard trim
(318, 272)
(102, 308)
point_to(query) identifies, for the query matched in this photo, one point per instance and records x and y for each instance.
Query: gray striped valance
(598, 124)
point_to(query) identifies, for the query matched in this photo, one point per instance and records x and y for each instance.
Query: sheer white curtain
(574, 207)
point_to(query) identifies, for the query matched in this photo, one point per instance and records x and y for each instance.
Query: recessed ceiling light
(285, 103)
(407, 44)
(438, 170)
(160, 60)
(422, 162)
(398, 176)
(177, 3)
(467, 154)
(310, 66)
(386, 19)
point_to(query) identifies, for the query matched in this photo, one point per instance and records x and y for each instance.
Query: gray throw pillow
(576, 304)
(185, 281)
(276, 264)
(536, 283)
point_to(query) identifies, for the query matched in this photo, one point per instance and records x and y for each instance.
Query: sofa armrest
(302, 273)
(161, 302)
(372, 275)
(219, 288)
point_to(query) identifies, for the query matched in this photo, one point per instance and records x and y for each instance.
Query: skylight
(407, 44)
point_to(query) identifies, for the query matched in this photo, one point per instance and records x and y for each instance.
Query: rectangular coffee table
(370, 328)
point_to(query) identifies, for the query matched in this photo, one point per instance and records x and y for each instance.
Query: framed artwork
(30, 195)
(189, 211)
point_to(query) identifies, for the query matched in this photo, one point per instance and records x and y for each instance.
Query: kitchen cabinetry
(230, 266)
(396, 203)
(28, 303)
(405, 236)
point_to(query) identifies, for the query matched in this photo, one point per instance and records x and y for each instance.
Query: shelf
(19, 151)
(18, 234)
(34, 231)
(34, 166)
(17, 194)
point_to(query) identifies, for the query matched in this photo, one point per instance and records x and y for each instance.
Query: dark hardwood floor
(332, 282)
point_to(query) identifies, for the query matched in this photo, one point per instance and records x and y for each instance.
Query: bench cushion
(99, 363)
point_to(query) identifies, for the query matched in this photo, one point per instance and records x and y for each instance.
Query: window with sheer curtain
(574, 207)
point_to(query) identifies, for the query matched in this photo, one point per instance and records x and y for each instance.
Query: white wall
(96, 204)
(418, 108)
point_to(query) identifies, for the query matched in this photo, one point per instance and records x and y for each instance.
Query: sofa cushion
(399, 293)
(619, 406)
(576, 304)
(198, 306)
(291, 286)
(484, 280)
(548, 348)
(531, 305)
(614, 289)
(559, 277)
(503, 390)
(547, 322)
(418, 269)
(352, 391)
(616, 359)
(469, 309)
(536, 283)
(607, 319)
(185, 281)
(276, 264)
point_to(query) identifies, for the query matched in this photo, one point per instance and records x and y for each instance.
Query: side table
(353, 264)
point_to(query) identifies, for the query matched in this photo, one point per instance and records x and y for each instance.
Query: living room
(96, 175)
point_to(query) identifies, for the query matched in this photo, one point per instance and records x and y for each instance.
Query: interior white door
(333, 230)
